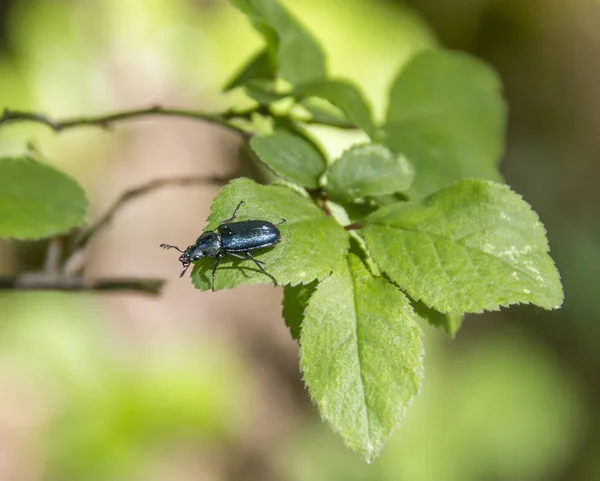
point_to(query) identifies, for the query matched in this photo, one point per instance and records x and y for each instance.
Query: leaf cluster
(413, 224)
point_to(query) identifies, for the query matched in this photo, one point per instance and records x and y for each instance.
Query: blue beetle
(233, 239)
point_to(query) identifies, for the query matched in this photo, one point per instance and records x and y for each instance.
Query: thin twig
(223, 119)
(106, 121)
(44, 282)
(53, 255)
(136, 192)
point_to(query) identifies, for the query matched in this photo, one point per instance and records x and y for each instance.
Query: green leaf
(258, 68)
(295, 300)
(450, 323)
(361, 354)
(37, 200)
(297, 53)
(312, 246)
(290, 156)
(322, 112)
(368, 170)
(344, 95)
(447, 115)
(470, 247)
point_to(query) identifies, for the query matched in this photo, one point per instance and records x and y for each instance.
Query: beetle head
(185, 262)
(191, 254)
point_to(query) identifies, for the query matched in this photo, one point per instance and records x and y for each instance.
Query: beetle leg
(167, 246)
(250, 257)
(214, 271)
(234, 213)
(185, 268)
(244, 257)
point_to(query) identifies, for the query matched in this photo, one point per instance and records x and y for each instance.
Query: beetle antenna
(167, 246)
(282, 221)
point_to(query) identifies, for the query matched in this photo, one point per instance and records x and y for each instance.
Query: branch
(223, 119)
(106, 121)
(44, 282)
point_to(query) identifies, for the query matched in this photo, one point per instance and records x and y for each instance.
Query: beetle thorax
(207, 245)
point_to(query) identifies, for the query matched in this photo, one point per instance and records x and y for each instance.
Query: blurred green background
(197, 385)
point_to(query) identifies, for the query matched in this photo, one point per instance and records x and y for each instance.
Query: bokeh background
(202, 386)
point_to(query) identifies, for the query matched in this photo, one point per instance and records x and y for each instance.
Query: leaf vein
(358, 355)
(465, 247)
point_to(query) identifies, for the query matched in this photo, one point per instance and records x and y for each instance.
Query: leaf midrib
(358, 355)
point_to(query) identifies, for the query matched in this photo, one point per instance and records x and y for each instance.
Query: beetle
(235, 239)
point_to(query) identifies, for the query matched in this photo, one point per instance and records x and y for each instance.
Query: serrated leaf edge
(426, 202)
(374, 450)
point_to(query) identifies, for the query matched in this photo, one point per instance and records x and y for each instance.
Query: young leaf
(312, 244)
(361, 354)
(368, 170)
(446, 114)
(299, 56)
(261, 91)
(322, 113)
(295, 300)
(37, 200)
(290, 156)
(259, 67)
(470, 247)
(344, 95)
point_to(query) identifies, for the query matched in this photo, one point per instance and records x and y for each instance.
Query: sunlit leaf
(361, 354)
(471, 247)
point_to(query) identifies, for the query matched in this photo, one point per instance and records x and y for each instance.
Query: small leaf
(290, 156)
(368, 170)
(312, 244)
(258, 67)
(295, 300)
(299, 56)
(447, 115)
(37, 200)
(261, 91)
(361, 354)
(322, 112)
(471, 247)
(344, 95)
